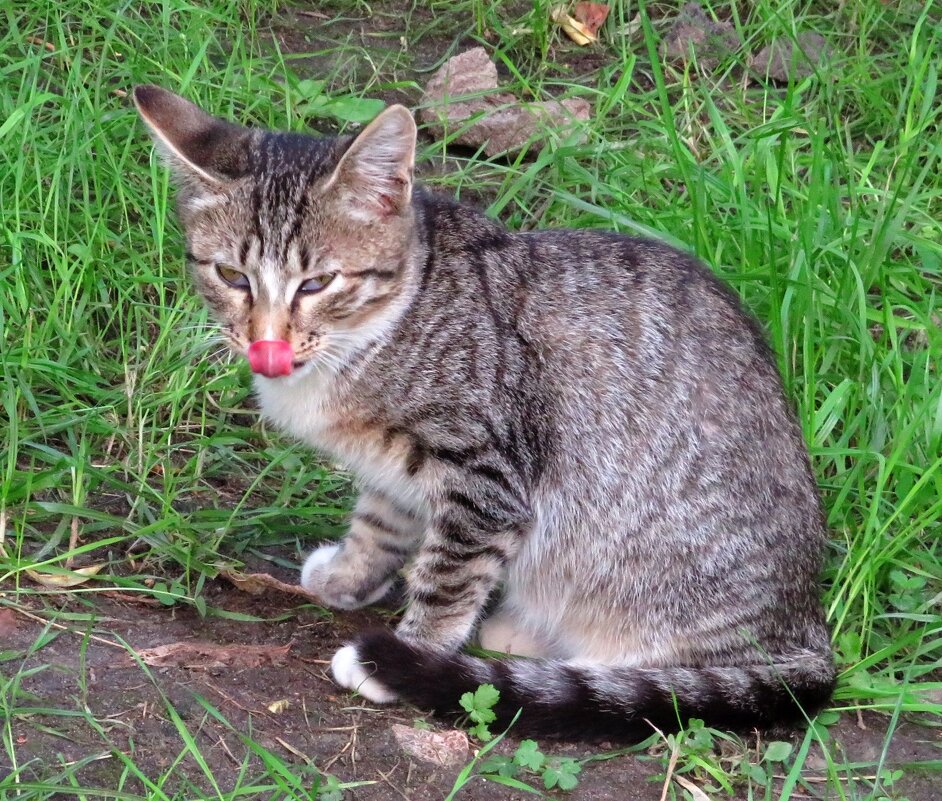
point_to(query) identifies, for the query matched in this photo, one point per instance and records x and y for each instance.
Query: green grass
(820, 202)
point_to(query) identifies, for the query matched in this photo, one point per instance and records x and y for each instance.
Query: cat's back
(588, 297)
(642, 365)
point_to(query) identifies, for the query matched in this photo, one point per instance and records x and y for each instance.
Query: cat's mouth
(276, 358)
(271, 358)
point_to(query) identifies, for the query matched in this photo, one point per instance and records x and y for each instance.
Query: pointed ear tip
(146, 93)
(400, 113)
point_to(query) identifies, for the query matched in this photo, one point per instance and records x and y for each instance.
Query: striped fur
(575, 443)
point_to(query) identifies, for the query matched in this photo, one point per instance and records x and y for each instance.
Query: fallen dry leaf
(277, 707)
(696, 793)
(63, 581)
(591, 15)
(442, 748)
(577, 31)
(260, 583)
(201, 655)
(7, 623)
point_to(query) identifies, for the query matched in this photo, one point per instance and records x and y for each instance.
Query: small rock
(504, 124)
(796, 58)
(464, 74)
(442, 748)
(693, 28)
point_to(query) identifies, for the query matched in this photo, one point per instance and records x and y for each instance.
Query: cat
(576, 443)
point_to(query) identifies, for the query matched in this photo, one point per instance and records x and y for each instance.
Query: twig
(335, 757)
(59, 626)
(73, 543)
(233, 701)
(35, 40)
(385, 778)
(130, 597)
(229, 753)
(291, 749)
(671, 765)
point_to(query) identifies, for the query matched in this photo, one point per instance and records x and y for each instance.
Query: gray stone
(796, 58)
(694, 30)
(464, 96)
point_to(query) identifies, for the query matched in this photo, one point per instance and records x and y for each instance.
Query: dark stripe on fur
(429, 235)
(191, 259)
(463, 554)
(371, 272)
(562, 700)
(375, 521)
(394, 549)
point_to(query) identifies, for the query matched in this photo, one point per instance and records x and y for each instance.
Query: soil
(319, 725)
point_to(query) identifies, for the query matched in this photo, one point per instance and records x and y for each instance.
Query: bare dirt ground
(340, 734)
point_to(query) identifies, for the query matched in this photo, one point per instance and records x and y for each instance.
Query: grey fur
(584, 423)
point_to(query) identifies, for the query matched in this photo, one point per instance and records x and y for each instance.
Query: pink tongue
(271, 357)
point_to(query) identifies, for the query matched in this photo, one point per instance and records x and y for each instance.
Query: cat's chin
(300, 371)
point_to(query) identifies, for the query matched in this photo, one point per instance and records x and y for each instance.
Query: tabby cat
(575, 443)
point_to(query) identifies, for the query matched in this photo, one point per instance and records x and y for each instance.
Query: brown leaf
(7, 623)
(438, 747)
(260, 583)
(573, 28)
(591, 15)
(201, 655)
(63, 581)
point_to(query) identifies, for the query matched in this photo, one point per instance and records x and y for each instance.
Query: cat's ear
(196, 144)
(374, 176)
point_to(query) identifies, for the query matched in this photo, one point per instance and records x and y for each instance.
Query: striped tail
(585, 702)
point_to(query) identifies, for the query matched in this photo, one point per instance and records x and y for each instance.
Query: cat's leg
(362, 568)
(449, 583)
(473, 534)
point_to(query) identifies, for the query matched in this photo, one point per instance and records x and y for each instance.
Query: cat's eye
(317, 283)
(232, 277)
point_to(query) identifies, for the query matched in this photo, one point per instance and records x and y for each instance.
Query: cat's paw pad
(336, 584)
(352, 674)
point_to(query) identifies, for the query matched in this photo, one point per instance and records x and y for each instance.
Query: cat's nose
(271, 357)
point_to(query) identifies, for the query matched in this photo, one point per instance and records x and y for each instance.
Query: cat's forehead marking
(299, 258)
(286, 166)
(271, 279)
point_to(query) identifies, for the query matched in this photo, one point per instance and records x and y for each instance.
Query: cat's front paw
(337, 583)
(349, 672)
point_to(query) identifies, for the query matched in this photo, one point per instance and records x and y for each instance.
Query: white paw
(315, 566)
(321, 576)
(350, 673)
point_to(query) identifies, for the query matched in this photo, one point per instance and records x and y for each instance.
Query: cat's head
(302, 243)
